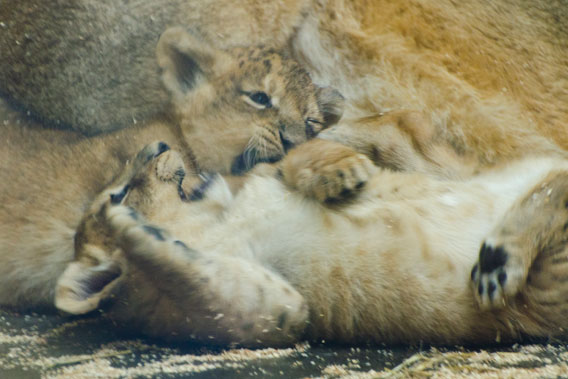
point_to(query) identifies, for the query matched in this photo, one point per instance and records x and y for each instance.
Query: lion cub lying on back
(270, 265)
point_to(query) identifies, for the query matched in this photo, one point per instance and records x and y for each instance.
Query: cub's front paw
(326, 170)
(498, 275)
(148, 244)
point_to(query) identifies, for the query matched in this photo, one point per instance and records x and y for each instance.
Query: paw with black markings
(535, 228)
(497, 276)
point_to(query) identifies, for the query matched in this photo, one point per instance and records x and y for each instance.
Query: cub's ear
(84, 284)
(186, 62)
(331, 103)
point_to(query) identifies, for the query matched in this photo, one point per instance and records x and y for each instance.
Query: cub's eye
(261, 98)
(258, 99)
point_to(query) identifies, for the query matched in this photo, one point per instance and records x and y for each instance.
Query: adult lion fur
(490, 75)
(89, 65)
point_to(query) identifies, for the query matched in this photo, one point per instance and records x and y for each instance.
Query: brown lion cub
(410, 258)
(234, 108)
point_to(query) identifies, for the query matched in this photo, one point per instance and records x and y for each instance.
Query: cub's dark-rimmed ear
(186, 61)
(84, 284)
(331, 104)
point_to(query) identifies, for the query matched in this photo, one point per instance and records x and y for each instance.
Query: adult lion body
(491, 76)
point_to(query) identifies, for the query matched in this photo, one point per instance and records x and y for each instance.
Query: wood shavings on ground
(51, 346)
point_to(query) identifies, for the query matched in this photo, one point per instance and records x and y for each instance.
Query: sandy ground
(51, 346)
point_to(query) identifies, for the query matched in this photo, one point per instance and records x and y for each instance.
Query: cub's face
(244, 106)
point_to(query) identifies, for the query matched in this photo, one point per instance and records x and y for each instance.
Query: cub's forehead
(255, 64)
(275, 73)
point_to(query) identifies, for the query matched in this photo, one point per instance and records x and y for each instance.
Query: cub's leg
(524, 263)
(326, 170)
(223, 299)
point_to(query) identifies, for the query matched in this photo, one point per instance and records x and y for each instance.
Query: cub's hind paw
(327, 171)
(497, 276)
(533, 231)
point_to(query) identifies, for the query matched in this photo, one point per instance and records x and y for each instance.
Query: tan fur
(490, 76)
(49, 178)
(403, 141)
(398, 263)
(447, 61)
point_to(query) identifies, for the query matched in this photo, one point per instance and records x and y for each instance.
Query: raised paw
(533, 230)
(497, 276)
(121, 217)
(326, 171)
(125, 221)
(136, 236)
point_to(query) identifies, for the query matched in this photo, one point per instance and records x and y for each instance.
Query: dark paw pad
(491, 276)
(491, 258)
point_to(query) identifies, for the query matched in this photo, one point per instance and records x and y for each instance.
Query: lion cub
(230, 110)
(409, 258)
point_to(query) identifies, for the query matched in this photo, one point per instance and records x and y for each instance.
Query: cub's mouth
(248, 159)
(253, 156)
